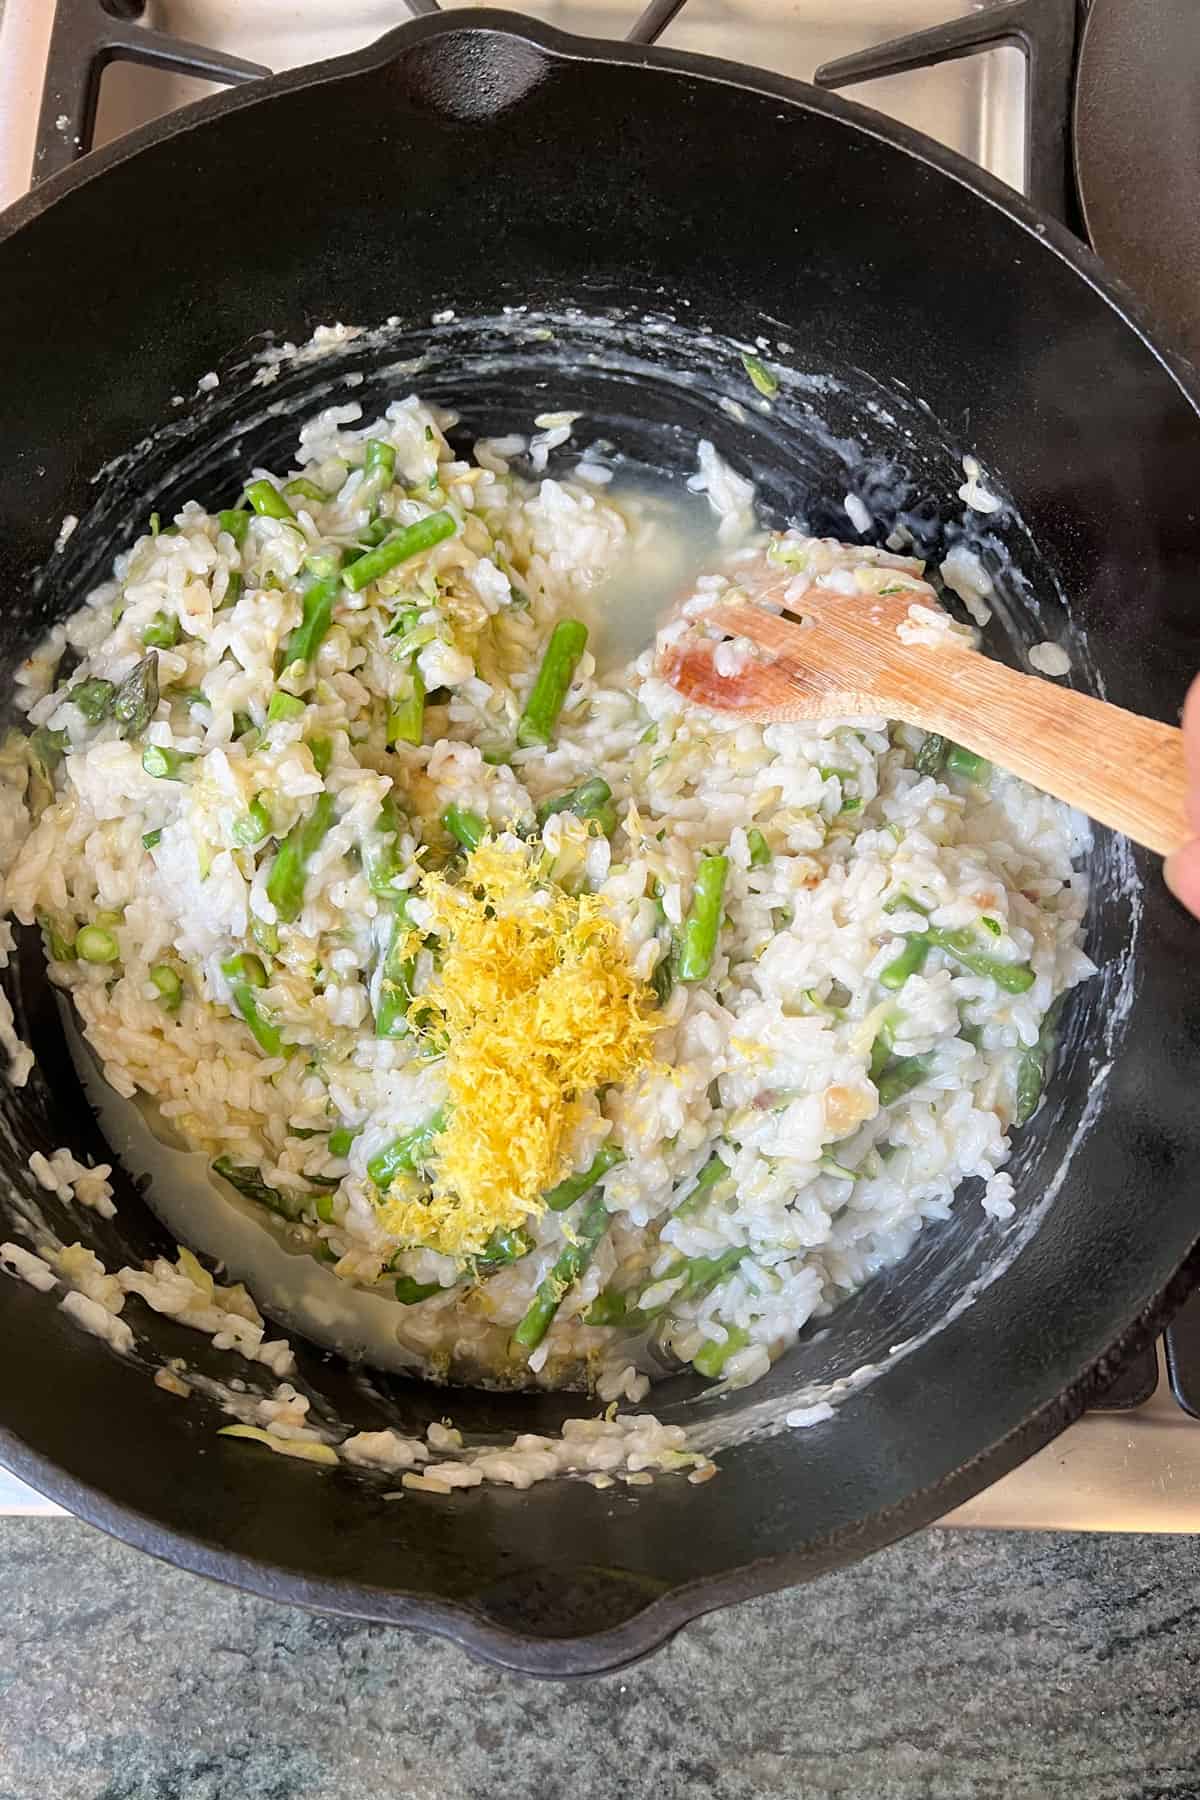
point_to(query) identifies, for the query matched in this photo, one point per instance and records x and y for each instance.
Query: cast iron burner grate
(1091, 67)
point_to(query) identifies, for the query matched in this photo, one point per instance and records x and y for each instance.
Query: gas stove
(1030, 89)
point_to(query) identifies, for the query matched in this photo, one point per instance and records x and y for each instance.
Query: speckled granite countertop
(959, 1664)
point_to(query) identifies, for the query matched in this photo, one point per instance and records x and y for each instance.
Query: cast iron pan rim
(661, 1618)
(567, 47)
(651, 1627)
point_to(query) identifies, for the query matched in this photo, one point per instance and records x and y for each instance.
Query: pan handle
(84, 39)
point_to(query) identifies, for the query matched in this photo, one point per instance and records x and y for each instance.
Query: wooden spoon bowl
(829, 655)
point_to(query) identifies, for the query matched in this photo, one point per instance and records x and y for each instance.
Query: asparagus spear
(576, 1186)
(94, 698)
(316, 616)
(162, 633)
(698, 937)
(244, 974)
(410, 541)
(406, 1152)
(285, 883)
(267, 501)
(932, 754)
(136, 699)
(236, 522)
(760, 850)
(562, 1276)
(587, 801)
(380, 461)
(406, 716)
(250, 1184)
(396, 983)
(465, 826)
(167, 764)
(567, 643)
(907, 962)
(711, 1359)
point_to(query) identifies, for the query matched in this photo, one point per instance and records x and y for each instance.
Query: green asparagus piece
(321, 751)
(901, 1076)
(881, 1052)
(265, 936)
(301, 488)
(380, 460)
(587, 801)
(567, 643)
(406, 717)
(931, 757)
(711, 1359)
(250, 1184)
(372, 534)
(968, 765)
(94, 698)
(268, 502)
(576, 1186)
(136, 699)
(761, 376)
(1031, 1067)
(162, 633)
(253, 825)
(760, 850)
(341, 1139)
(698, 936)
(713, 1171)
(245, 973)
(907, 962)
(236, 522)
(662, 978)
(166, 764)
(169, 985)
(465, 826)
(380, 862)
(233, 586)
(284, 707)
(501, 1249)
(1014, 978)
(563, 1275)
(285, 883)
(96, 945)
(407, 1152)
(323, 1207)
(49, 748)
(59, 947)
(396, 984)
(410, 1292)
(410, 541)
(151, 838)
(316, 617)
(700, 1275)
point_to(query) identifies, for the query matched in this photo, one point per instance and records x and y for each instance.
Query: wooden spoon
(847, 659)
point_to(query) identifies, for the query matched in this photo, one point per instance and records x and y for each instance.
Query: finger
(1191, 749)
(1182, 874)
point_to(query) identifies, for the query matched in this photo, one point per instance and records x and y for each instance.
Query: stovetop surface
(1134, 1463)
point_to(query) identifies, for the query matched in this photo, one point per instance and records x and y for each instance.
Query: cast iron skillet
(476, 162)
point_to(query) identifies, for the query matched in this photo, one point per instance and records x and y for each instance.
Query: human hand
(1183, 869)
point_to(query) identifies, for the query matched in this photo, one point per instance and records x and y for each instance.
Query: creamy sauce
(289, 1286)
(672, 539)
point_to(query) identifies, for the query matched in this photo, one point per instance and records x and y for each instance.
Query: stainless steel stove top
(1133, 1469)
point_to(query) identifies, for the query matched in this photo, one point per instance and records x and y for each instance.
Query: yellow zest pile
(539, 1007)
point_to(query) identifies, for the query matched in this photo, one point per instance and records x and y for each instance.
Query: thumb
(1182, 874)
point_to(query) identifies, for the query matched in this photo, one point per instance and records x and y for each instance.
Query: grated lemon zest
(538, 1006)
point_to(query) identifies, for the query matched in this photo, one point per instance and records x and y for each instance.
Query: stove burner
(1112, 128)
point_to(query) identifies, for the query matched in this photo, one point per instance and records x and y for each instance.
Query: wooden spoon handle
(1126, 771)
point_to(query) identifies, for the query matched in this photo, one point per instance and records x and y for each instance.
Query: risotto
(599, 1033)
